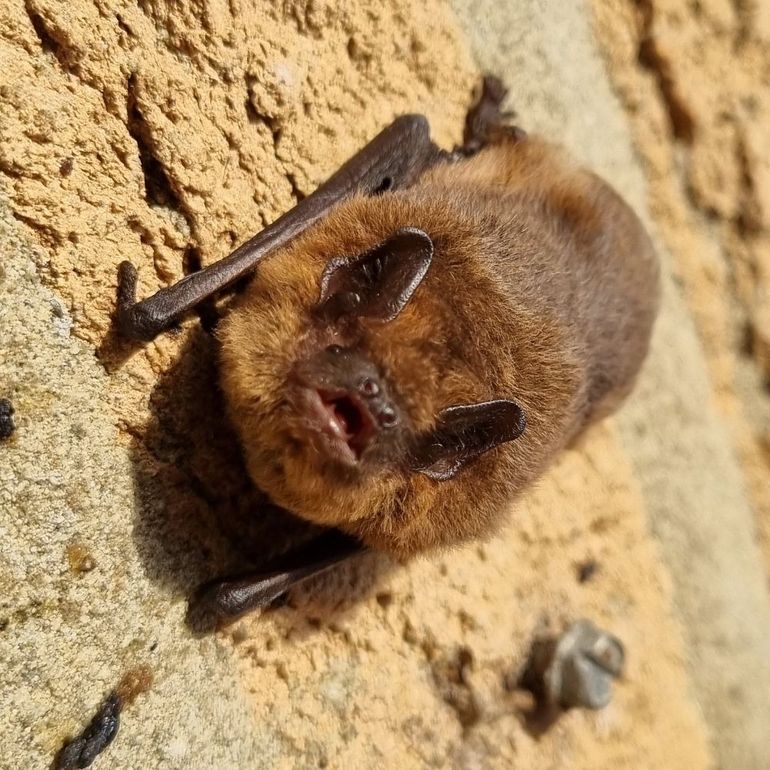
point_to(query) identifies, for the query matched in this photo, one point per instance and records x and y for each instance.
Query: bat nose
(354, 373)
(381, 408)
(345, 402)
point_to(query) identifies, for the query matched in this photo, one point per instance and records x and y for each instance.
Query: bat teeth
(336, 428)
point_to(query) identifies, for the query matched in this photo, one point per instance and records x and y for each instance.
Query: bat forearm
(392, 160)
(227, 599)
(146, 319)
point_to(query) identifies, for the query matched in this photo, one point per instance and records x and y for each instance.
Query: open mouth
(341, 422)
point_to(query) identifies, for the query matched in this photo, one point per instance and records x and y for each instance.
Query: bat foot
(225, 600)
(485, 123)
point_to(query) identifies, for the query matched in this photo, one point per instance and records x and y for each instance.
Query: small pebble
(586, 660)
(587, 570)
(81, 751)
(6, 419)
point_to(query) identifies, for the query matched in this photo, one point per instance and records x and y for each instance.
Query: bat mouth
(340, 422)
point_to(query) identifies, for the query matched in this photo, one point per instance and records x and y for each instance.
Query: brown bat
(430, 329)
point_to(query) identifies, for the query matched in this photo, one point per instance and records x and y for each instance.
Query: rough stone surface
(165, 133)
(700, 117)
(78, 609)
(700, 114)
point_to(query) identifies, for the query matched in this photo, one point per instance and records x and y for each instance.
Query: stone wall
(165, 133)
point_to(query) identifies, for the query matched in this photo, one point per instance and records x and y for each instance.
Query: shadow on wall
(198, 516)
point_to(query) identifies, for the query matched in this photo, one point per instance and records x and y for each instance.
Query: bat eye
(368, 387)
(385, 185)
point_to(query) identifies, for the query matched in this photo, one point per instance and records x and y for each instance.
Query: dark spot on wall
(7, 426)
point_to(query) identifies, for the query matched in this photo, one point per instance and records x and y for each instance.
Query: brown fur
(543, 289)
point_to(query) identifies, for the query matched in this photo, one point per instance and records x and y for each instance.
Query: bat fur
(542, 289)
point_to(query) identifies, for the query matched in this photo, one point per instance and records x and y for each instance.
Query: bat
(422, 335)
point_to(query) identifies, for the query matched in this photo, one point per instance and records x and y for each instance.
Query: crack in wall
(651, 57)
(158, 188)
(51, 41)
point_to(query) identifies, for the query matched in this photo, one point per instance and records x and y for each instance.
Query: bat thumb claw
(131, 318)
(127, 276)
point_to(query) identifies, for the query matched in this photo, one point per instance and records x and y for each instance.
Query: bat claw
(493, 91)
(485, 122)
(127, 275)
(131, 318)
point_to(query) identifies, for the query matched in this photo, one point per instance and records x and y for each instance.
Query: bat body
(409, 359)
(539, 290)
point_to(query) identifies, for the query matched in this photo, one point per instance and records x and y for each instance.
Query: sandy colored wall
(695, 82)
(165, 137)
(693, 78)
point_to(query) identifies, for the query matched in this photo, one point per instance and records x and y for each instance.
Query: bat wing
(227, 599)
(394, 159)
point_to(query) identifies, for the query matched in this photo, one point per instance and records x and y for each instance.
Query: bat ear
(378, 283)
(465, 432)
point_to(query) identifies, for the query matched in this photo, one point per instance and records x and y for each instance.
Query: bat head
(359, 379)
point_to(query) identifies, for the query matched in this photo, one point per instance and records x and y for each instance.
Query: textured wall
(694, 81)
(165, 133)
